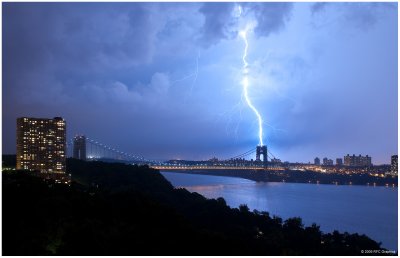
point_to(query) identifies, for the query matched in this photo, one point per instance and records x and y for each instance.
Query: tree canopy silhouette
(117, 209)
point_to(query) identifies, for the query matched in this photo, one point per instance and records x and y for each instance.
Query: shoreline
(289, 176)
(191, 188)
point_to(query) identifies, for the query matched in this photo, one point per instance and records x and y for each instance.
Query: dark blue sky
(165, 79)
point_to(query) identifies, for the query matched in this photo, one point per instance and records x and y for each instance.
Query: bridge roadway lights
(166, 167)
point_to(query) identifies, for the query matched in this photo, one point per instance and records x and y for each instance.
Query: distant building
(357, 161)
(349, 160)
(327, 162)
(79, 151)
(214, 159)
(41, 144)
(275, 160)
(317, 161)
(394, 167)
(339, 162)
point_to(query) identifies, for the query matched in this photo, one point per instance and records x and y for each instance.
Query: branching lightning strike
(246, 84)
(194, 74)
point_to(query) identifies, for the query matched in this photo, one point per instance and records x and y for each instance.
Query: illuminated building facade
(357, 161)
(394, 165)
(79, 151)
(41, 144)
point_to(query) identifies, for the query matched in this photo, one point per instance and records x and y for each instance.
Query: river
(356, 209)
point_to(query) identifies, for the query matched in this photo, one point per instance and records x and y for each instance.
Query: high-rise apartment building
(339, 162)
(394, 165)
(327, 162)
(317, 161)
(41, 144)
(357, 160)
(79, 151)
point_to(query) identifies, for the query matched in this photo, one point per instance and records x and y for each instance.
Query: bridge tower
(262, 150)
(79, 148)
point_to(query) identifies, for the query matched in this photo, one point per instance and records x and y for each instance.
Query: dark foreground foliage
(9, 161)
(117, 209)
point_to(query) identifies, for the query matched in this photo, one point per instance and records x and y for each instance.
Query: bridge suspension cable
(97, 150)
(118, 154)
(247, 153)
(270, 154)
(252, 151)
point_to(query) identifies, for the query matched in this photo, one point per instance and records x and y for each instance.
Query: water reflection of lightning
(246, 84)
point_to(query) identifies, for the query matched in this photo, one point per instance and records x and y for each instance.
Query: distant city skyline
(163, 80)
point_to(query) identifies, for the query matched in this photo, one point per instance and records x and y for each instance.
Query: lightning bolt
(246, 85)
(194, 74)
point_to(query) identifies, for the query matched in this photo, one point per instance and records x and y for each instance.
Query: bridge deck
(211, 168)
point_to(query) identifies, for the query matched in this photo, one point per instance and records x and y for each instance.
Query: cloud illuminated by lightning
(246, 85)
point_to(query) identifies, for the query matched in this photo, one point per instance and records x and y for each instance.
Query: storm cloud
(163, 79)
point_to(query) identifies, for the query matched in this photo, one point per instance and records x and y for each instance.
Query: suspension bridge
(86, 148)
